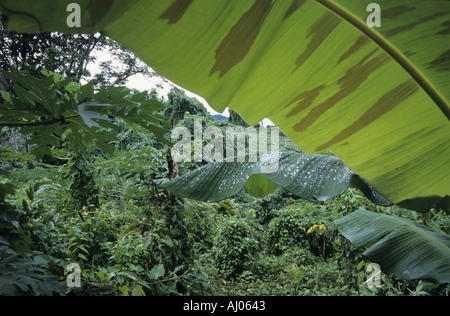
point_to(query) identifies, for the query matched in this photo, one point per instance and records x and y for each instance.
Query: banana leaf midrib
(394, 53)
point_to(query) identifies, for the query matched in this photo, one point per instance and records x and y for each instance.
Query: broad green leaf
(137, 291)
(129, 275)
(259, 187)
(168, 241)
(315, 178)
(403, 248)
(100, 275)
(41, 137)
(378, 97)
(7, 188)
(124, 289)
(43, 89)
(87, 116)
(156, 272)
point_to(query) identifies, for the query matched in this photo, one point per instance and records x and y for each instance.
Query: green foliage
(55, 112)
(175, 255)
(179, 103)
(19, 237)
(16, 272)
(208, 121)
(235, 247)
(202, 220)
(81, 182)
(138, 239)
(287, 230)
(237, 120)
(389, 238)
(67, 54)
(290, 226)
(314, 178)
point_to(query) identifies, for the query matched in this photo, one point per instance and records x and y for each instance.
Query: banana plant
(403, 248)
(314, 178)
(372, 84)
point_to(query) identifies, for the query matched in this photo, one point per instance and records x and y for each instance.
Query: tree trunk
(14, 136)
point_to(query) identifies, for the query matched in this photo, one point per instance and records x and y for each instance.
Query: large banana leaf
(403, 248)
(377, 97)
(315, 178)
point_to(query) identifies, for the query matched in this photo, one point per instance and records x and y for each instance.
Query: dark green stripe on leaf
(354, 77)
(98, 9)
(360, 43)
(442, 62)
(386, 103)
(304, 100)
(318, 32)
(176, 11)
(410, 26)
(241, 37)
(296, 4)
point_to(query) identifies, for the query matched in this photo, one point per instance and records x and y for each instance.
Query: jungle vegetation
(88, 176)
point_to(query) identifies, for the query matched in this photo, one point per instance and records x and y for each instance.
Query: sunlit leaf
(156, 272)
(137, 291)
(87, 116)
(128, 275)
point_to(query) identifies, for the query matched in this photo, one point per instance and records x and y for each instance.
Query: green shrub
(287, 230)
(269, 205)
(200, 218)
(235, 247)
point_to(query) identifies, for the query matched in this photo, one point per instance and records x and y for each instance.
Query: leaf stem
(390, 49)
(50, 122)
(22, 124)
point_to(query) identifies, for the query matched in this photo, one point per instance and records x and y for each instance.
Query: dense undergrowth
(129, 245)
(100, 219)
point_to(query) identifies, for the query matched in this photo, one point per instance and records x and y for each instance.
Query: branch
(50, 122)
(22, 124)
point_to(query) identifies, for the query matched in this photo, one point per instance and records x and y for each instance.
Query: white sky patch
(142, 83)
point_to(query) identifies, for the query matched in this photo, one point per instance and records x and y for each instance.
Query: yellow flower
(312, 229)
(322, 227)
(316, 227)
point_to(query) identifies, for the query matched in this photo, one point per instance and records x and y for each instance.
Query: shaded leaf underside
(403, 248)
(377, 97)
(315, 178)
